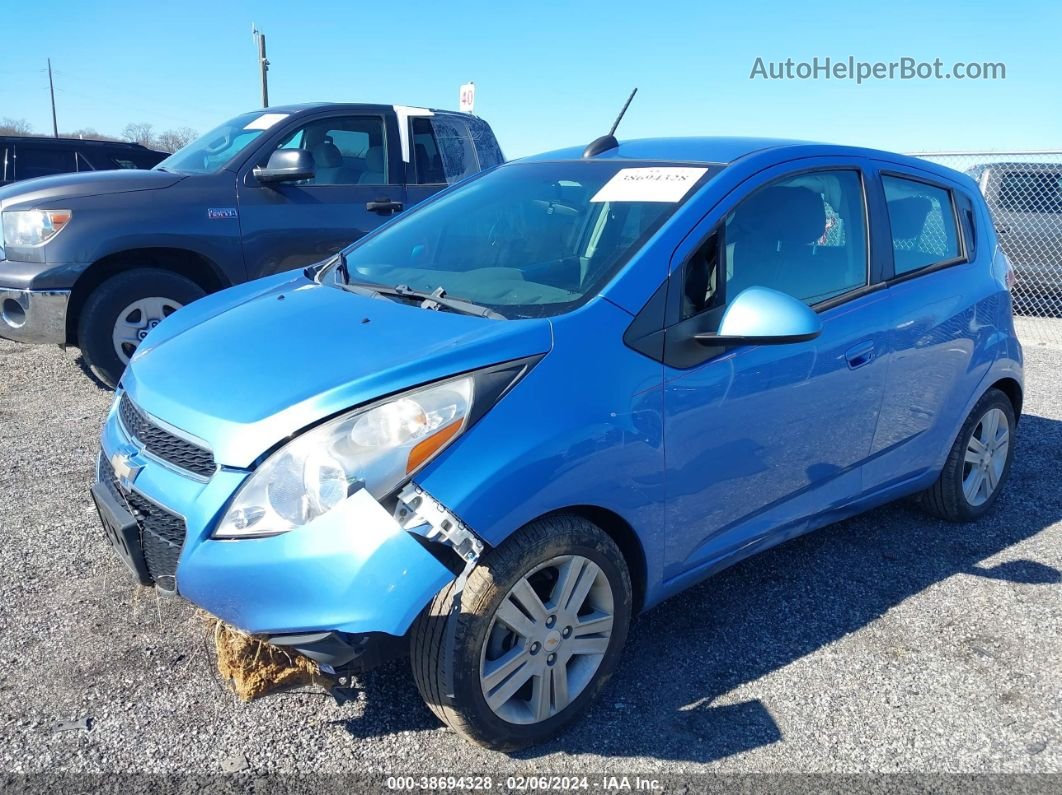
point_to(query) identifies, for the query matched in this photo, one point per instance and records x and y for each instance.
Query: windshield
(213, 151)
(528, 239)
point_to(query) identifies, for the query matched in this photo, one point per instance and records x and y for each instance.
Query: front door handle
(384, 206)
(860, 354)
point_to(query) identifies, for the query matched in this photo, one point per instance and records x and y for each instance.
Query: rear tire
(125, 306)
(568, 646)
(979, 462)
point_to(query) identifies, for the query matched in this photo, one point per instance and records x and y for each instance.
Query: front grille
(161, 532)
(163, 444)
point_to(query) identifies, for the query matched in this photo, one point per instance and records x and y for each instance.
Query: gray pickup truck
(98, 259)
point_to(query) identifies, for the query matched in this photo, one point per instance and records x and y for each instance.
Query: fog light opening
(13, 313)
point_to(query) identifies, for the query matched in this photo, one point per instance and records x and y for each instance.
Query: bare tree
(139, 133)
(89, 134)
(172, 140)
(10, 126)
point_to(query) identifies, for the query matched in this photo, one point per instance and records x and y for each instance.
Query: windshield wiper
(437, 299)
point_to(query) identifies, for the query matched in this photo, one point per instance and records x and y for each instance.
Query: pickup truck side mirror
(762, 316)
(286, 165)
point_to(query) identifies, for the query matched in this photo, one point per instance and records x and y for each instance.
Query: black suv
(25, 157)
(99, 259)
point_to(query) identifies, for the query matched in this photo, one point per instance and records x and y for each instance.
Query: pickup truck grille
(163, 444)
(161, 532)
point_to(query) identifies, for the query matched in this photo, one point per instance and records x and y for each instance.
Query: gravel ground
(891, 642)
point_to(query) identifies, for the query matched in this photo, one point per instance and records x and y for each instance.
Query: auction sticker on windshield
(265, 121)
(652, 184)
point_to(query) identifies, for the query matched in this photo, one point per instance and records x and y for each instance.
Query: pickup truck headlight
(25, 228)
(376, 447)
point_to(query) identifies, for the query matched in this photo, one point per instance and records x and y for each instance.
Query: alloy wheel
(547, 639)
(986, 457)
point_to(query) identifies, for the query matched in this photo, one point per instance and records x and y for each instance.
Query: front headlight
(25, 228)
(376, 448)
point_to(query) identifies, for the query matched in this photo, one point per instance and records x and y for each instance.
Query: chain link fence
(1024, 195)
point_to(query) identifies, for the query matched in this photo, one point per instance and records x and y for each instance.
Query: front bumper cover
(353, 571)
(34, 316)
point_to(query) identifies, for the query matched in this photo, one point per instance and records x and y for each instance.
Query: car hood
(245, 369)
(46, 191)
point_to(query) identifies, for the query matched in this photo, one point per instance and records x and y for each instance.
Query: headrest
(374, 159)
(777, 213)
(908, 216)
(327, 155)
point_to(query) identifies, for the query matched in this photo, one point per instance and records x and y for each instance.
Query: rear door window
(924, 230)
(40, 161)
(426, 158)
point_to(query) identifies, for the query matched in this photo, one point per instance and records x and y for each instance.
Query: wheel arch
(183, 262)
(1013, 390)
(619, 530)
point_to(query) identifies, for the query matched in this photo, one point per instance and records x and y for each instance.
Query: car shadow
(668, 700)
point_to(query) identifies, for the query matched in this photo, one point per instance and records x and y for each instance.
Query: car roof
(724, 150)
(50, 141)
(301, 107)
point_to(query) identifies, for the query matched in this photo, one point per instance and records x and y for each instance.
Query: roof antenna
(606, 142)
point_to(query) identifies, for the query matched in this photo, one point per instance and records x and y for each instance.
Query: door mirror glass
(286, 165)
(762, 316)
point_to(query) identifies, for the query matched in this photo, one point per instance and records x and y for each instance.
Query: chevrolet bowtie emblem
(125, 467)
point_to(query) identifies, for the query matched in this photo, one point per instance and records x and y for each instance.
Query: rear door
(946, 318)
(358, 185)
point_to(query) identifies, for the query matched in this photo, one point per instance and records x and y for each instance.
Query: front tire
(978, 464)
(543, 620)
(120, 313)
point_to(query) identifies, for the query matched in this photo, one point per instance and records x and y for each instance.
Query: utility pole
(263, 62)
(51, 89)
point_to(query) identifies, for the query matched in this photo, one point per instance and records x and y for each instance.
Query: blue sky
(549, 74)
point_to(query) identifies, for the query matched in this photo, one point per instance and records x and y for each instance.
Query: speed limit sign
(467, 99)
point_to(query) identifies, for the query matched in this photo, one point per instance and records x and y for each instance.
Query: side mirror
(762, 316)
(286, 165)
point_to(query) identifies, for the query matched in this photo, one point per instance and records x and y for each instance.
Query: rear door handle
(860, 354)
(384, 206)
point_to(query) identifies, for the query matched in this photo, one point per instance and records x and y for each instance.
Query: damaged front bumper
(356, 571)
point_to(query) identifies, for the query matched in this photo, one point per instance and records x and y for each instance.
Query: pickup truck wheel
(543, 620)
(120, 312)
(978, 464)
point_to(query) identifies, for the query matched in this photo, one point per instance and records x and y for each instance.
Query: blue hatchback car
(558, 393)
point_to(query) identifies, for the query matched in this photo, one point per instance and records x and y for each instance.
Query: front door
(357, 186)
(760, 438)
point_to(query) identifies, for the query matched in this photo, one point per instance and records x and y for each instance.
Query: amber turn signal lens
(426, 448)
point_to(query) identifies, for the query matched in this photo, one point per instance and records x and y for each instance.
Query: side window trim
(963, 257)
